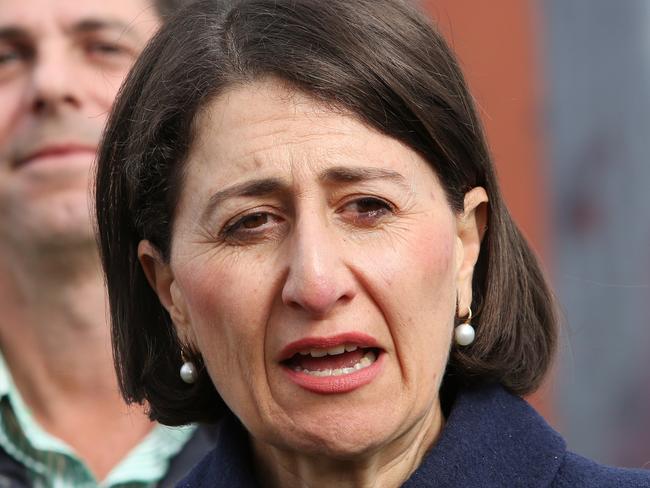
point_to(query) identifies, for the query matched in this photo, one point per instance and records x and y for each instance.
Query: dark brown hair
(378, 59)
(167, 8)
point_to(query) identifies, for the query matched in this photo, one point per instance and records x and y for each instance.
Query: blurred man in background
(62, 420)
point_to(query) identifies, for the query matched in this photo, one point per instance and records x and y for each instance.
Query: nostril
(39, 105)
(46, 102)
(317, 279)
(313, 293)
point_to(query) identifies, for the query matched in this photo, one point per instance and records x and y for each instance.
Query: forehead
(39, 17)
(267, 126)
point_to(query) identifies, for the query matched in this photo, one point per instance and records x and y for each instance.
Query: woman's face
(315, 265)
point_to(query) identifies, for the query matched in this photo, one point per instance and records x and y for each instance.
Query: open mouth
(334, 364)
(339, 360)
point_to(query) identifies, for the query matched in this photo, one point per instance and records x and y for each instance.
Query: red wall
(497, 47)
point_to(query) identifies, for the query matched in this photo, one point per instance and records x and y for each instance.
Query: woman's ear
(471, 225)
(161, 278)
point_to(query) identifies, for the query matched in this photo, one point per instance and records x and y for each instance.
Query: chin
(340, 437)
(71, 233)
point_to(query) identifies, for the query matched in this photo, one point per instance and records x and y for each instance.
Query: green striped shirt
(51, 463)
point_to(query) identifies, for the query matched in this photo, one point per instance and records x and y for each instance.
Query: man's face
(61, 64)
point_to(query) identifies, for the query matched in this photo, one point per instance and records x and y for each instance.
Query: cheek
(10, 100)
(101, 86)
(433, 255)
(224, 304)
(423, 265)
(432, 290)
(421, 293)
(214, 296)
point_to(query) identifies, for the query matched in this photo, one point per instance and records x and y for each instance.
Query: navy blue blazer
(491, 439)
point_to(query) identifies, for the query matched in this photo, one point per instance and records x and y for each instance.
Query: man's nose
(318, 278)
(53, 83)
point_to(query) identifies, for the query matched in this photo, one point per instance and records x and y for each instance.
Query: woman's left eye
(367, 210)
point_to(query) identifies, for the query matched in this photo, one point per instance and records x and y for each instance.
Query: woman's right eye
(254, 221)
(257, 224)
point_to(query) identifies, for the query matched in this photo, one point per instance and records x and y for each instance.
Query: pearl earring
(188, 370)
(464, 333)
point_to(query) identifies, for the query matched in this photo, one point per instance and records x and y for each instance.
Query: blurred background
(563, 88)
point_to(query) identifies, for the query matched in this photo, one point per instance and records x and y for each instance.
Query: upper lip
(53, 149)
(353, 338)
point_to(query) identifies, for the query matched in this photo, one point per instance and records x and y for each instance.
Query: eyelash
(100, 48)
(13, 53)
(384, 208)
(96, 49)
(235, 230)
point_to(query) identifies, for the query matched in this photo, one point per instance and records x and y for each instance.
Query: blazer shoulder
(579, 472)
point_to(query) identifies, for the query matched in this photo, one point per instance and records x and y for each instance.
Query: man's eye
(7, 56)
(105, 49)
(11, 54)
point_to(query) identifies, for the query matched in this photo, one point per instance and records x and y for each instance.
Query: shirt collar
(146, 463)
(5, 380)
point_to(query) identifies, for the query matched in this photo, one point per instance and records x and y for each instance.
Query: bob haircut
(380, 60)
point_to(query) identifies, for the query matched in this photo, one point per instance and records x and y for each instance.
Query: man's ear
(471, 225)
(161, 278)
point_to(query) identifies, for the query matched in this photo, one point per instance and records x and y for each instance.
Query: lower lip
(337, 384)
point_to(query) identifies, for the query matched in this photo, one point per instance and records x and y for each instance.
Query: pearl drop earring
(464, 333)
(188, 370)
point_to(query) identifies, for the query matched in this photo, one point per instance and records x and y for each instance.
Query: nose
(53, 83)
(318, 279)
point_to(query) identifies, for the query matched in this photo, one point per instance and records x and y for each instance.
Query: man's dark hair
(380, 60)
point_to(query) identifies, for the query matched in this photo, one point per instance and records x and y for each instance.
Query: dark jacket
(491, 439)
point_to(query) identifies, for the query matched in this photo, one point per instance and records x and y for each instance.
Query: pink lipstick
(335, 364)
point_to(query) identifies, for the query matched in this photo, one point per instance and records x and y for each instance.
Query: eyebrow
(331, 176)
(346, 174)
(83, 26)
(252, 188)
(94, 25)
(11, 32)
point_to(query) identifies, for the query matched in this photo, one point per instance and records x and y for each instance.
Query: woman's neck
(389, 466)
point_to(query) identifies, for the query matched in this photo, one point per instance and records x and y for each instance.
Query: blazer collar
(492, 438)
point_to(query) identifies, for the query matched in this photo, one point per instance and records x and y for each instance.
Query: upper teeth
(369, 358)
(332, 351)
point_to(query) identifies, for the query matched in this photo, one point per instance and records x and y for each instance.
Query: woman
(298, 216)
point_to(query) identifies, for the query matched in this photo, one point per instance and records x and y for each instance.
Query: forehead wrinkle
(265, 149)
(286, 134)
(280, 120)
